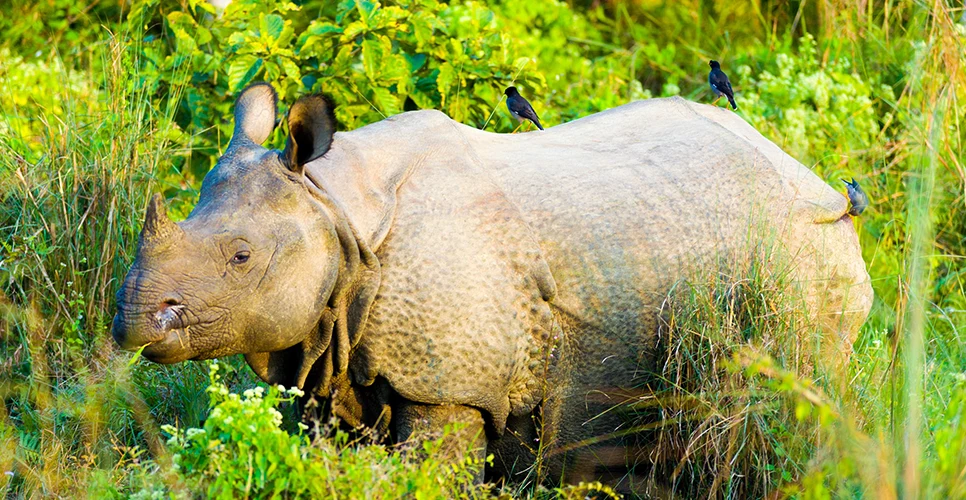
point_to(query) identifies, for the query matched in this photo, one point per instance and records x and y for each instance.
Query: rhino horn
(157, 225)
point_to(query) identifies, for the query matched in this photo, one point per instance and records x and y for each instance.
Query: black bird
(720, 84)
(520, 108)
(857, 197)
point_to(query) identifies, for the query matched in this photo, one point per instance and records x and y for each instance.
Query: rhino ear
(255, 111)
(311, 125)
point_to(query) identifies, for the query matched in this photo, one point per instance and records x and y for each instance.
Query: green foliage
(815, 111)
(68, 26)
(377, 60)
(243, 450)
(374, 60)
(29, 98)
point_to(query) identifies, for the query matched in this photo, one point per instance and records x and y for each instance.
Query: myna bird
(857, 197)
(720, 84)
(520, 108)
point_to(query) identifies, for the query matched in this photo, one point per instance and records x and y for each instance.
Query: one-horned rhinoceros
(417, 272)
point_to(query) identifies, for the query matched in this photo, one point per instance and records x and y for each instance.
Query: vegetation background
(103, 102)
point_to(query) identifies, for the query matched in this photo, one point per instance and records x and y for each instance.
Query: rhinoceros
(417, 272)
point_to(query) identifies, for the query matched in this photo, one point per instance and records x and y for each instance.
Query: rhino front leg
(415, 423)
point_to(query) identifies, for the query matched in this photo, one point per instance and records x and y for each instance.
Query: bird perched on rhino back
(857, 197)
(720, 84)
(520, 108)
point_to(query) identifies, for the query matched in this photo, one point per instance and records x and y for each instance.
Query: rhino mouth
(173, 347)
(163, 335)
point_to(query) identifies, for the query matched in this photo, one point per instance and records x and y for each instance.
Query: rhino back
(626, 202)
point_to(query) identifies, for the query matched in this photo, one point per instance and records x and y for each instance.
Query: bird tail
(537, 123)
(731, 100)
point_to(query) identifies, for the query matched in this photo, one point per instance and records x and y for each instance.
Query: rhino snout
(133, 329)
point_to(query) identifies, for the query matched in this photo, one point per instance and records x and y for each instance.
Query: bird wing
(523, 108)
(719, 81)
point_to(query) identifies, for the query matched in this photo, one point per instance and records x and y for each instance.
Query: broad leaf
(386, 101)
(242, 71)
(271, 26)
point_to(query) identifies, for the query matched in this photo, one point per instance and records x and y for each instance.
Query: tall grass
(70, 212)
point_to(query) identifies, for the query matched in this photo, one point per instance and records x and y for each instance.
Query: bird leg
(715, 101)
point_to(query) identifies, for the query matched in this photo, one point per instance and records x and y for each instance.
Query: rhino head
(266, 264)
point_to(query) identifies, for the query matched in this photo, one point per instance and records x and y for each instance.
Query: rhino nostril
(167, 315)
(166, 303)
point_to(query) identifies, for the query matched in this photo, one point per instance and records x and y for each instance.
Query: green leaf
(395, 68)
(366, 8)
(422, 28)
(353, 29)
(271, 26)
(204, 6)
(236, 39)
(317, 28)
(423, 101)
(242, 71)
(137, 354)
(272, 71)
(386, 101)
(372, 53)
(345, 7)
(386, 16)
(290, 67)
(445, 80)
(415, 61)
(285, 39)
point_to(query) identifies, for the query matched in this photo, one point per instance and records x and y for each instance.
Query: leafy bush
(243, 450)
(29, 101)
(813, 110)
(373, 60)
(376, 60)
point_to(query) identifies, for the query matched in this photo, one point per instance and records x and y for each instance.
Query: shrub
(242, 450)
(818, 112)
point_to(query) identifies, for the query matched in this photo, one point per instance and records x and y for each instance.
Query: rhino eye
(240, 258)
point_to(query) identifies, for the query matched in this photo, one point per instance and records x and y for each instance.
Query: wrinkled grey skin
(417, 272)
